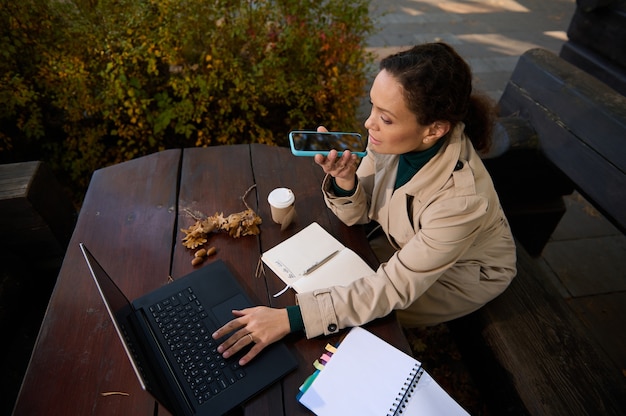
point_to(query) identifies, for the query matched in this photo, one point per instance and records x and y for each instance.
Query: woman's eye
(382, 118)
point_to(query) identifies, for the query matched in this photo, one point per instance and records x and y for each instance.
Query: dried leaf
(237, 225)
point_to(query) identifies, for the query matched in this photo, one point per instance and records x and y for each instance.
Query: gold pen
(320, 263)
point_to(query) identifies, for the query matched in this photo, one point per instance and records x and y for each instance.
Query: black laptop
(167, 336)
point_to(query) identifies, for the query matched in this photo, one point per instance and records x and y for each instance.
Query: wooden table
(131, 220)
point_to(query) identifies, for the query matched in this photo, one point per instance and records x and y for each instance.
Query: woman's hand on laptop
(259, 326)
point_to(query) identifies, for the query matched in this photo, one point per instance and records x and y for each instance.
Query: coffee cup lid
(281, 197)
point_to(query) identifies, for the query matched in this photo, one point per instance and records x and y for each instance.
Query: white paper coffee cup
(281, 202)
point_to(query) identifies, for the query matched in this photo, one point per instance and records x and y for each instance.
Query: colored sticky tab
(307, 383)
(319, 366)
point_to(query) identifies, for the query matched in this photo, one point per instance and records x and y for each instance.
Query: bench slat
(602, 183)
(580, 123)
(594, 113)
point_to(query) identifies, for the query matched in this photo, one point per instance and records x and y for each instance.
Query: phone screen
(306, 143)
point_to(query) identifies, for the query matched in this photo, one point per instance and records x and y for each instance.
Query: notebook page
(430, 399)
(291, 258)
(363, 377)
(342, 270)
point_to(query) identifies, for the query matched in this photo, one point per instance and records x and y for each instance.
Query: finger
(347, 157)
(239, 313)
(332, 156)
(349, 160)
(231, 326)
(319, 159)
(254, 351)
(226, 329)
(343, 162)
(322, 129)
(235, 343)
(228, 344)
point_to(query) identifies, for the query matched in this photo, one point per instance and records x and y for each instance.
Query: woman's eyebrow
(384, 110)
(388, 112)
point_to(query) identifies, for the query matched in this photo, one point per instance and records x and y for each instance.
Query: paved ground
(586, 256)
(489, 34)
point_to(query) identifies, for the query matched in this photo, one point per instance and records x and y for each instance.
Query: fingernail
(214, 335)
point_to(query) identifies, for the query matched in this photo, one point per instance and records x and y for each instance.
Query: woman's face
(391, 126)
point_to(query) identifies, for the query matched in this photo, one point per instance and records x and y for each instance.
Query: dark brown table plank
(77, 355)
(213, 180)
(273, 168)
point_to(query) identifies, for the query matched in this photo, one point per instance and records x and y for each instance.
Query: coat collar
(426, 182)
(432, 177)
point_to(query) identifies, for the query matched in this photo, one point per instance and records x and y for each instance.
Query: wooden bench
(530, 352)
(36, 216)
(581, 126)
(36, 223)
(596, 39)
(565, 130)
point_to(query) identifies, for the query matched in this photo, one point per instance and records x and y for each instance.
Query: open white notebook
(365, 375)
(313, 259)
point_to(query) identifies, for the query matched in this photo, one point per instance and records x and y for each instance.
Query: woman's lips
(373, 140)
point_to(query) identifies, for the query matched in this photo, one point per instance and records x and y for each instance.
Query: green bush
(24, 30)
(91, 83)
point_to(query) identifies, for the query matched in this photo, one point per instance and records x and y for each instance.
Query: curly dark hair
(437, 86)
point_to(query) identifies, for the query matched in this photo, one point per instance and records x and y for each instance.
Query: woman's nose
(369, 124)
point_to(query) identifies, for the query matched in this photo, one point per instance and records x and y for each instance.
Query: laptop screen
(117, 304)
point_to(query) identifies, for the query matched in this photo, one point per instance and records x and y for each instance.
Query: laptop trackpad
(224, 311)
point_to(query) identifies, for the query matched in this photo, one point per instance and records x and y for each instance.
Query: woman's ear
(438, 129)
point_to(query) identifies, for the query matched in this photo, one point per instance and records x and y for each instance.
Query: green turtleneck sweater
(410, 163)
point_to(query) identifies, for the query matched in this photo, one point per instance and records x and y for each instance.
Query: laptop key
(222, 382)
(214, 388)
(238, 370)
(230, 375)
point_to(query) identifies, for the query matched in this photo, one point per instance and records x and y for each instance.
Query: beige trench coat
(455, 251)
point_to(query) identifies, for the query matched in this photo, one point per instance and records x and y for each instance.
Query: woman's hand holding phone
(343, 168)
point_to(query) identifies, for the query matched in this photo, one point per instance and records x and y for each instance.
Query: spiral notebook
(365, 375)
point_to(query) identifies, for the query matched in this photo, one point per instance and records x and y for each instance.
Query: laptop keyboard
(181, 321)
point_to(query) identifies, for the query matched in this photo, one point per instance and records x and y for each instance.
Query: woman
(424, 183)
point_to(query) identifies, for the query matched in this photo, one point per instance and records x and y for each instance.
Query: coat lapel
(398, 207)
